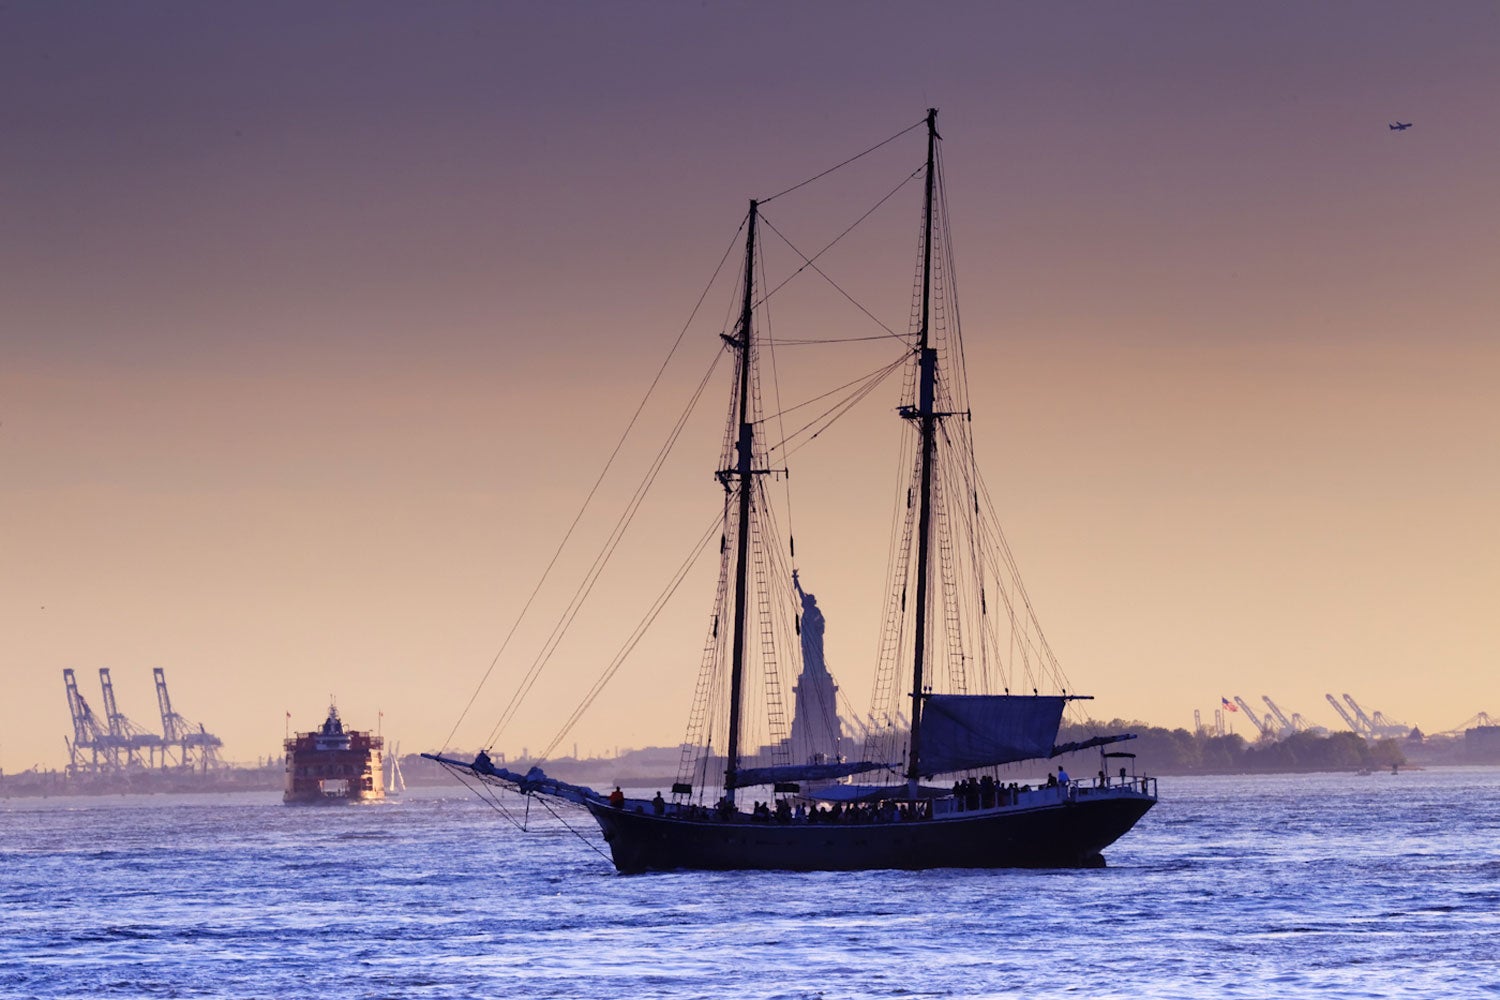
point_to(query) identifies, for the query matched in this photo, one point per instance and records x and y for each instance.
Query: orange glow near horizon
(316, 339)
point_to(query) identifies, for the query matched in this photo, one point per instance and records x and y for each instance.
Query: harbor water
(1322, 886)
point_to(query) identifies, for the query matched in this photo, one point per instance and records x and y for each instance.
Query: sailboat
(940, 734)
(395, 781)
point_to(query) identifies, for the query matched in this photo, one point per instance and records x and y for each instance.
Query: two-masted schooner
(940, 732)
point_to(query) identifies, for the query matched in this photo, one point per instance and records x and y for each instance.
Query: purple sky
(317, 320)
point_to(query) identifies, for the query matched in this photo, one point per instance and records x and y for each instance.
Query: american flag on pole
(1228, 705)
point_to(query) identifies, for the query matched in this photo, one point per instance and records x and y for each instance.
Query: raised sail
(963, 732)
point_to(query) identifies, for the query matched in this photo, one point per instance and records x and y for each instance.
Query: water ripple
(1233, 888)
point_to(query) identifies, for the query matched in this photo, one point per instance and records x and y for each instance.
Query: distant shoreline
(1160, 753)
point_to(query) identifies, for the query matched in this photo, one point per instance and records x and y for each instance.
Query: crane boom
(88, 734)
(1389, 727)
(1286, 724)
(1348, 719)
(111, 710)
(1263, 725)
(191, 739)
(1481, 719)
(124, 734)
(171, 728)
(1359, 714)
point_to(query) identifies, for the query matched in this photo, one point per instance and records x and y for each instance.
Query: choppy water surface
(1327, 886)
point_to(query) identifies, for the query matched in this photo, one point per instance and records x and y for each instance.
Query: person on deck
(659, 805)
(617, 798)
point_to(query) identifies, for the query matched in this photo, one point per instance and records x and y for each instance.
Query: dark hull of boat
(1058, 835)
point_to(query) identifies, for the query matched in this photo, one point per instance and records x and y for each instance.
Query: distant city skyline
(319, 324)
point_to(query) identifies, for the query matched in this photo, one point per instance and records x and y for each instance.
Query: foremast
(742, 474)
(926, 418)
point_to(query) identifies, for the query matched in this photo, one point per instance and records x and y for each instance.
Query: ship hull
(1065, 834)
(325, 799)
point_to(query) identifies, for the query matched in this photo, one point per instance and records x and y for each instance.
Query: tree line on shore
(1159, 750)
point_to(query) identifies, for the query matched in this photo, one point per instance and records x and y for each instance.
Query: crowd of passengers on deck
(784, 811)
(983, 793)
(969, 795)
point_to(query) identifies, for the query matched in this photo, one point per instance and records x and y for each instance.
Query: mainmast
(926, 419)
(742, 473)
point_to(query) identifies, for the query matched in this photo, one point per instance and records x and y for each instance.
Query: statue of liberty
(816, 730)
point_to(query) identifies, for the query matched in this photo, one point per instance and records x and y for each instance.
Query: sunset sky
(317, 321)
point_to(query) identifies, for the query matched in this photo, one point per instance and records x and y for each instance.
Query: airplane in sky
(1400, 126)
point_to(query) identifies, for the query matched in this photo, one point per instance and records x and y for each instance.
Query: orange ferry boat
(333, 765)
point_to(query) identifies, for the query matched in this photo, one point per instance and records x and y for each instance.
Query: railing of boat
(1092, 789)
(1004, 799)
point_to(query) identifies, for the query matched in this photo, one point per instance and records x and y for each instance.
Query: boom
(1264, 725)
(196, 746)
(1348, 719)
(88, 734)
(125, 736)
(1287, 728)
(1359, 714)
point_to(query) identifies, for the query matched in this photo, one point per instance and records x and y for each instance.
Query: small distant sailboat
(943, 717)
(395, 782)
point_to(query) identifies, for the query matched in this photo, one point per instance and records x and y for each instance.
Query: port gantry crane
(1354, 727)
(1379, 725)
(88, 734)
(114, 743)
(198, 748)
(1295, 723)
(1263, 725)
(128, 738)
(1288, 727)
(1473, 722)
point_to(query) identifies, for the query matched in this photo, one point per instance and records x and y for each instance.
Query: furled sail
(963, 731)
(1090, 743)
(802, 772)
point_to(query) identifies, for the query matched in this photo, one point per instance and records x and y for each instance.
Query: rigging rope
(484, 791)
(593, 490)
(828, 340)
(838, 388)
(602, 559)
(634, 639)
(851, 159)
(839, 410)
(809, 262)
(786, 481)
(591, 845)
